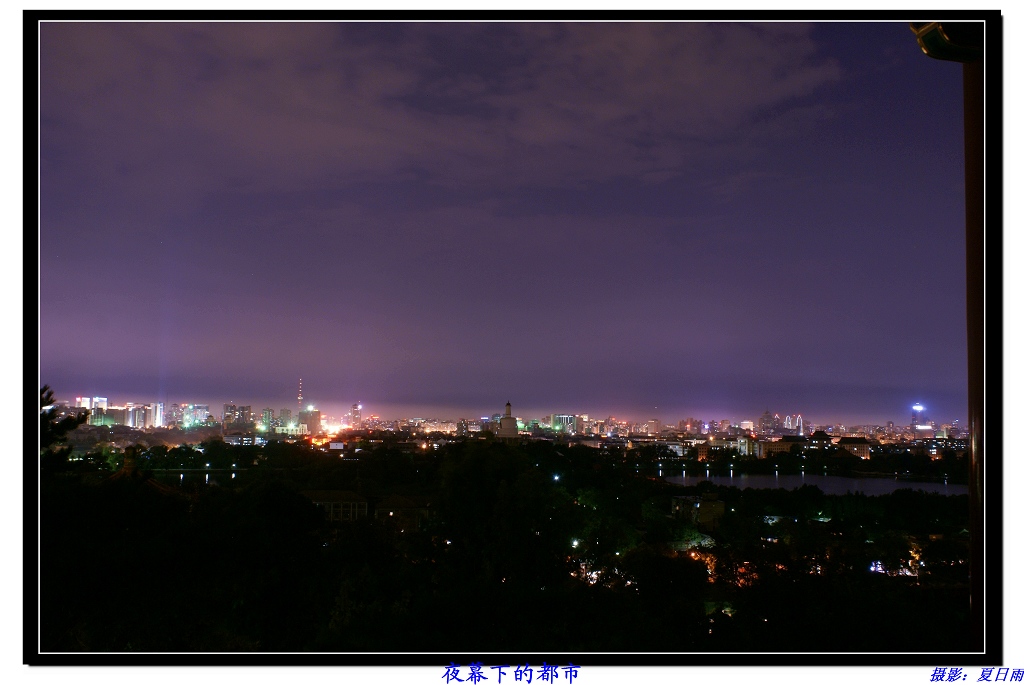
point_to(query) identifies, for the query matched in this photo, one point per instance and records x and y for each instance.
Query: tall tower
(300, 394)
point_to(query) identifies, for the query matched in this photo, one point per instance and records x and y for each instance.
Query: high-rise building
(155, 415)
(111, 416)
(135, 416)
(237, 415)
(284, 417)
(195, 414)
(357, 415)
(267, 417)
(691, 425)
(311, 418)
(563, 422)
(175, 414)
(917, 417)
(97, 407)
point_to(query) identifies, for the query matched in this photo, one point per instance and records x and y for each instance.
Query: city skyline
(339, 409)
(661, 220)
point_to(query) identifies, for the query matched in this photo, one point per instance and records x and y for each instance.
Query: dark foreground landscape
(549, 547)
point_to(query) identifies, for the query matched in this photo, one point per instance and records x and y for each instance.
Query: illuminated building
(245, 440)
(97, 407)
(135, 416)
(234, 415)
(284, 417)
(508, 427)
(292, 429)
(563, 422)
(768, 448)
(195, 414)
(267, 417)
(155, 415)
(357, 415)
(691, 425)
(820, 440)
(311, 418)
(654, 427)
(111, 416)
(859, 447)
(918, 421)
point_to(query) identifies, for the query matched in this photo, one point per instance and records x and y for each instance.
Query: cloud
(171, 109)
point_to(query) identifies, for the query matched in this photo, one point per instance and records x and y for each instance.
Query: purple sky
(646, 220)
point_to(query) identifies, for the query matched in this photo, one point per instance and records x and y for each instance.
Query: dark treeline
(527, 547)
(948, 465)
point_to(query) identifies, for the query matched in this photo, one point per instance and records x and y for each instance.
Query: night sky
(643, 220)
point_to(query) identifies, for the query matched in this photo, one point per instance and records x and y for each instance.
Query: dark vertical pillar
(974, 159)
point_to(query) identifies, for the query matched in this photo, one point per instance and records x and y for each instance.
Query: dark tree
(53, 432)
